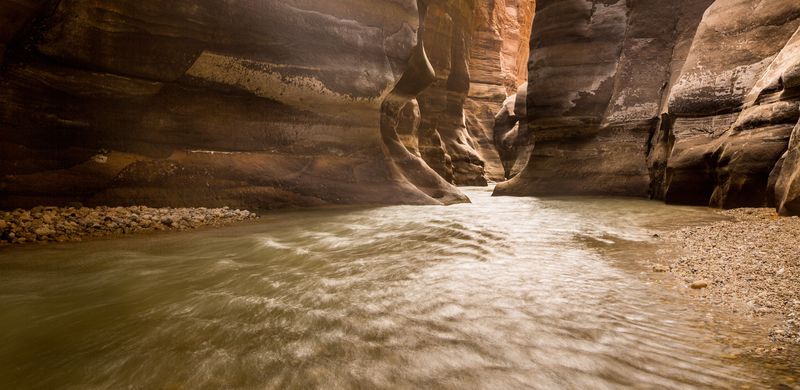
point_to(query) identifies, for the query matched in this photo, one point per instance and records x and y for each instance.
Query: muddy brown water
(502, 293)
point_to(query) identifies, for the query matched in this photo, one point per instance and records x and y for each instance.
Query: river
(502, 293)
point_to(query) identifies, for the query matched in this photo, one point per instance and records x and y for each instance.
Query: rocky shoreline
(67, 224)
(749, 263)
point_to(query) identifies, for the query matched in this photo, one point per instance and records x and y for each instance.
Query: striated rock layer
(254, 104)
(477, 50)
(240, 103)
(730, 113)
(597, 78)
(498, 66)
(688, 101)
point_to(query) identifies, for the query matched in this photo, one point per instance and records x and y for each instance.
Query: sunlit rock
(259, 104)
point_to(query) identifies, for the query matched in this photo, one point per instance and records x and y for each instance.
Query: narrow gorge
(549, 194)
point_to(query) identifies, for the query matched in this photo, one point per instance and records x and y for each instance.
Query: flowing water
(503, 293)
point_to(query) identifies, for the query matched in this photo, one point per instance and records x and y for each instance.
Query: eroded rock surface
(512, 137)
(596, 83)
(254, 104)
(688, 101)
(498, 66)
(478, 52)
(731, 115)
(247, 104)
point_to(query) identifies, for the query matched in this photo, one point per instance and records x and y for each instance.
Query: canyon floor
(724, 280)
(748, 263)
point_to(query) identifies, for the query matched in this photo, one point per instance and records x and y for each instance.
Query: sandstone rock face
(477, 50)
(447, 33)
(688, 101)
(239, 103)
(511, 136)
(785, 178)
(730, 113)
(597, 79)
(782, 81)
(498, 66)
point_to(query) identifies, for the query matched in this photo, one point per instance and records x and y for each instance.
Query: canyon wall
(730, 112)
(256, 104)
(597, 77)
(479, 51)
(278, 103)
(239, 103)
(498, 66)
(688, 101)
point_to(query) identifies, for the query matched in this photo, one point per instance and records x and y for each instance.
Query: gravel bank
(750, 263)
(53, 224)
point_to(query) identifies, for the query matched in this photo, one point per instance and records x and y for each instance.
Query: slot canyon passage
(488, 194)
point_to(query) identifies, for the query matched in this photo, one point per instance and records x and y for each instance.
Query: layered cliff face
(686, 101)
(498, 66)
(256, 104)
(478, 51)
(447, 33)
(296, 102)
(731, 113)
(513, 140)
(597, 78)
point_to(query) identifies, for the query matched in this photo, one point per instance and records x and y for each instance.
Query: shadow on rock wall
(693, 102)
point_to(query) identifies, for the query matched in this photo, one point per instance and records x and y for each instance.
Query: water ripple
(502, 293)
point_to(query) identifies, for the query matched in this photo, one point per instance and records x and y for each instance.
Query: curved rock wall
(511, 136)
(447, 34)
(597, 78)
(298, 102)
(730, 113)
(240, 103)
(478, 50)
(688, 101)
(498, 66)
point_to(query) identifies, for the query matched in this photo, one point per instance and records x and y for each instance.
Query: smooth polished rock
(693, 102)
(254, 104)
(598, 79)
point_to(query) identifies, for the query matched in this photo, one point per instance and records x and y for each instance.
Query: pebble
(52, 224)
(660, 268)
(699, 284)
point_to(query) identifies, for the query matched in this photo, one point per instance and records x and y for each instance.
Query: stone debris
(700, 284)
(54, 224)
(749, 263)
(660, 268)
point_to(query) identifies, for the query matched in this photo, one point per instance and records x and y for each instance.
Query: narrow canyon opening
(465, 124)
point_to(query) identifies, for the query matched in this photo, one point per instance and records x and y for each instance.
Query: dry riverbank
(749, 264)
(54, 224)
